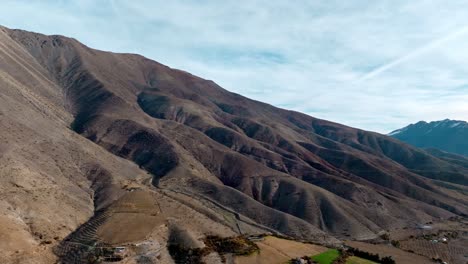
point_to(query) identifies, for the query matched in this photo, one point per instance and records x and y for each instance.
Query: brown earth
(400, 256)
(81, 128)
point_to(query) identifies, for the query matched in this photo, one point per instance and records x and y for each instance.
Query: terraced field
(452, 252)
(120, 223)
(129, 218)
(79, 246)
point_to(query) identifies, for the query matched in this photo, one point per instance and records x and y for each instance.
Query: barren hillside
(91, 139)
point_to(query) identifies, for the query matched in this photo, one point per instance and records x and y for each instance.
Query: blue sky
(376, 65)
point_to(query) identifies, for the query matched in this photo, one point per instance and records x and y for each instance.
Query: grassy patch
(357, 260)
(326, 257)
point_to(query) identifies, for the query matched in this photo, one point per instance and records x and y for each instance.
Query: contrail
(415, 53)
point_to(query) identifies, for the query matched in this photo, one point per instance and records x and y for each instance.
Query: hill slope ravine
(274, 169)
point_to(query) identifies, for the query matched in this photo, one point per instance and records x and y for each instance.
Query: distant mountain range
(447, 135)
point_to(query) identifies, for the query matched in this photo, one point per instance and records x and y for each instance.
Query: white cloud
(418, 52)
(308, 56)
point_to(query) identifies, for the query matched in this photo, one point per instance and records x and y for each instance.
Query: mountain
(99, 148)
(447, 135)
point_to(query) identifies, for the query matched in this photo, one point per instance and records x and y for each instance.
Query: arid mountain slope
(57, 188)
(51, 178)
(275, 170)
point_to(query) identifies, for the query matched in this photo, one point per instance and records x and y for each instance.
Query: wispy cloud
(377, 65)
(426, 48)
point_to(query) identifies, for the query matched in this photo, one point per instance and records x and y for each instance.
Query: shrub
(395, 243)
(385, 236)
(186, 255)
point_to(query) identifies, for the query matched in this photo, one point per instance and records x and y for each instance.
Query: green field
(356, 260)
(326, 257)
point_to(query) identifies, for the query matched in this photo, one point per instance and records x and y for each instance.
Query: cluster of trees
(373, 257)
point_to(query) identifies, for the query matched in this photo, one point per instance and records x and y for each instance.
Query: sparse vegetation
(236, 245)
(240, 245)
